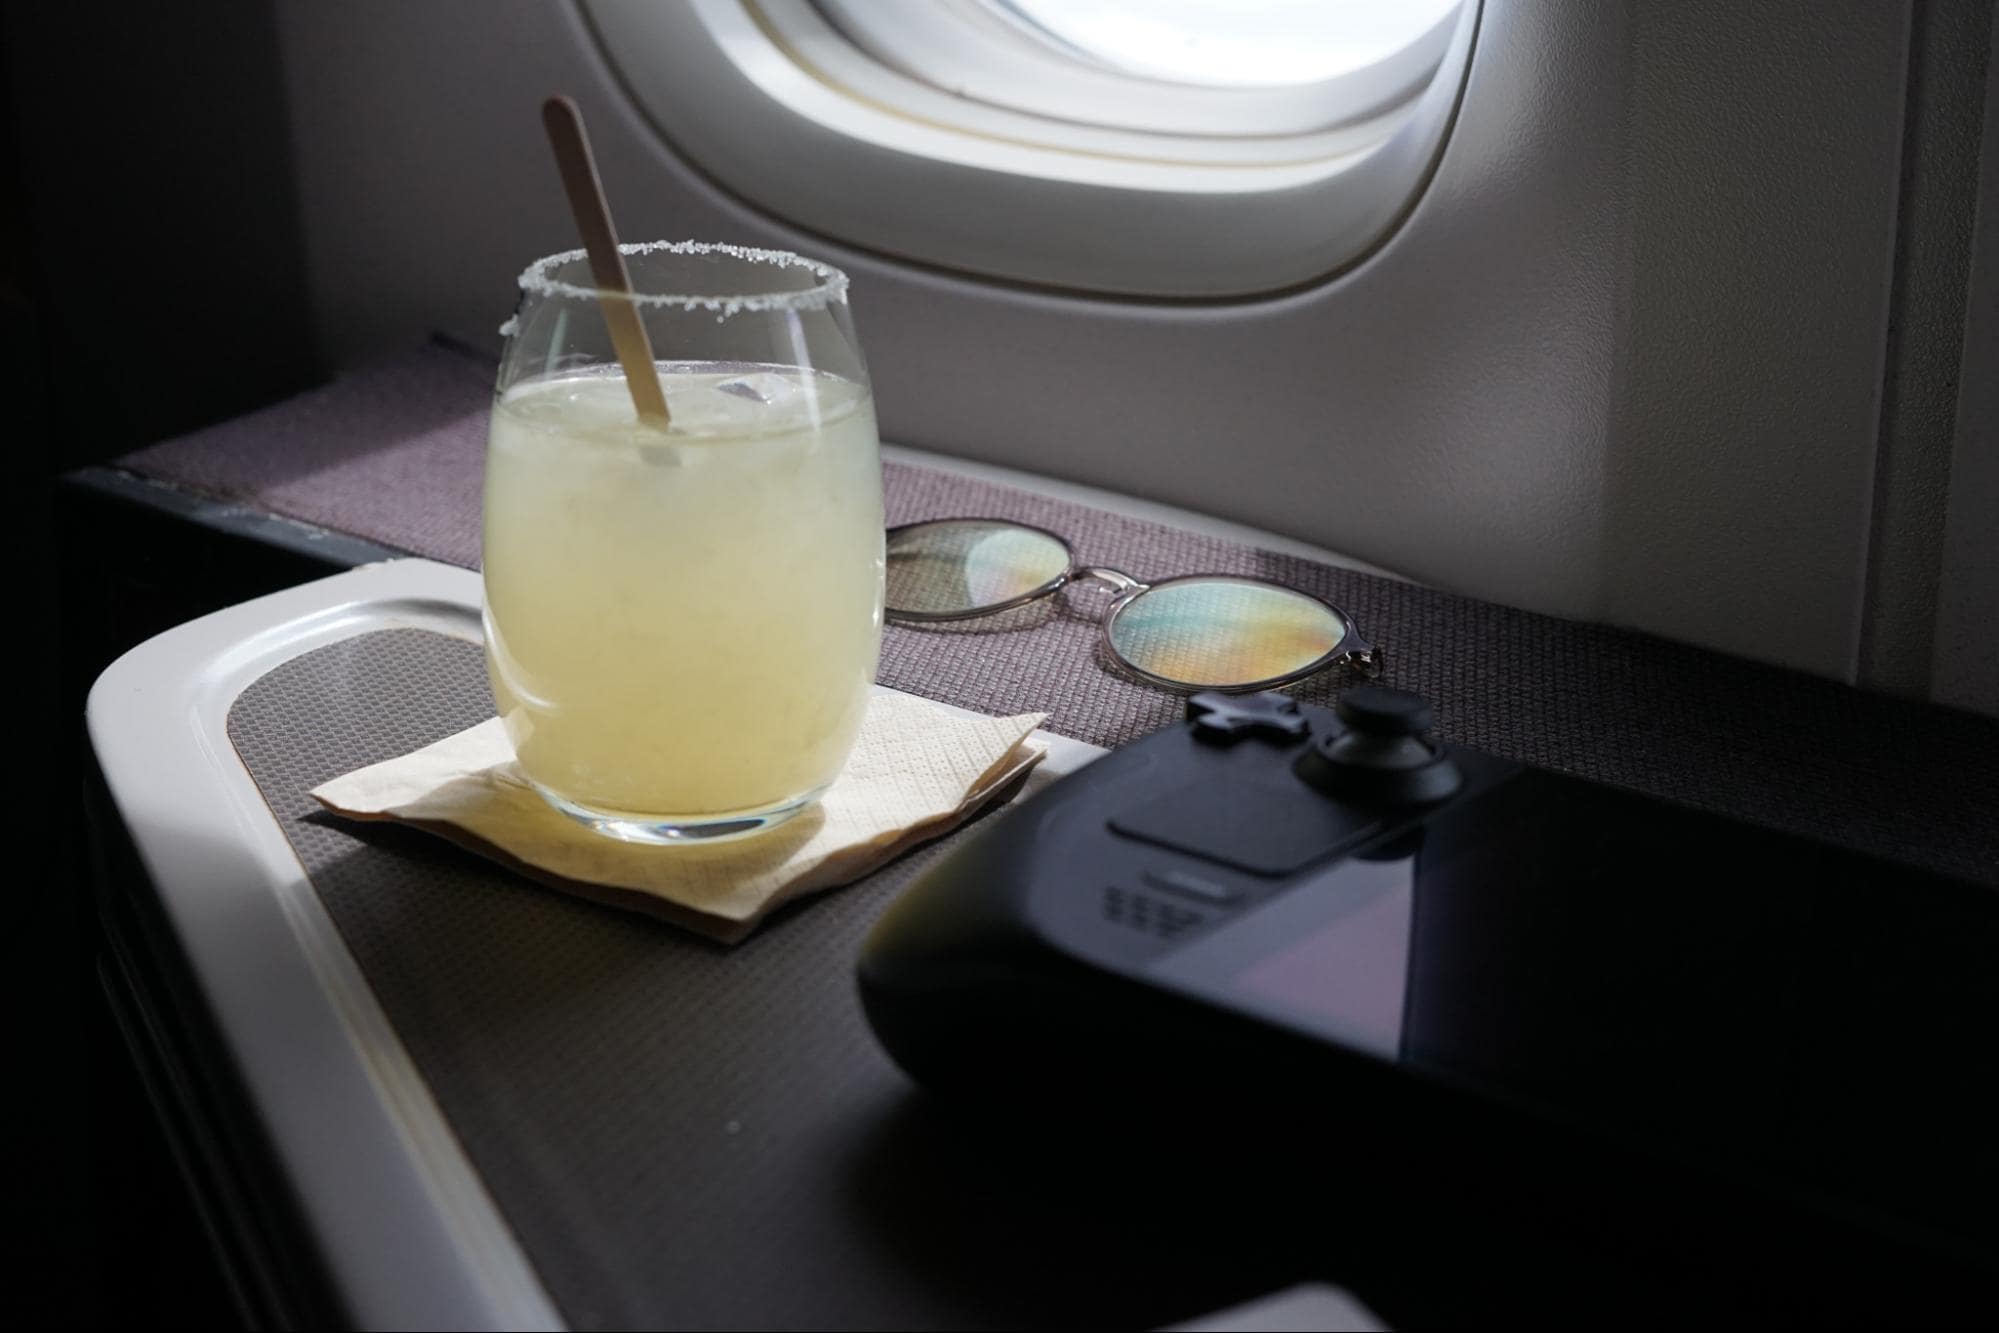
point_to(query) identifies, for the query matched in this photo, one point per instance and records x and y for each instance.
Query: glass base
(681, 831)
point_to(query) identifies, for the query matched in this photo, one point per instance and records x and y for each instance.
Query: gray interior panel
(1623, 361)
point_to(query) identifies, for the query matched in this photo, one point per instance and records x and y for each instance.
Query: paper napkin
(918, 769)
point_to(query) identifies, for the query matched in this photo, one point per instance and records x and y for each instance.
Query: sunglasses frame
(1349, 650)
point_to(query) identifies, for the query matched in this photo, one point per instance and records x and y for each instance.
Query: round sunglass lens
(1223, 632)
(958, 566)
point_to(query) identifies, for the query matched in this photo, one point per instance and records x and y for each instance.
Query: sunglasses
(1193, 632)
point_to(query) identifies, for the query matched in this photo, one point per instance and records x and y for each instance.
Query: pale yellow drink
(683, 625)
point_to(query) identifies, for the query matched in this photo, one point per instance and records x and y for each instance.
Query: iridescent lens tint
(1217, 631)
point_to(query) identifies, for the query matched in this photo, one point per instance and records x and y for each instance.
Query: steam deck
(1277, 916)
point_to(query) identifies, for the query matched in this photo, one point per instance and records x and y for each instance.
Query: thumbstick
(1382, 754)
(1380, 711)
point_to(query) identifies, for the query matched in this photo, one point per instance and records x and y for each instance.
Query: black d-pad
(1225, 717)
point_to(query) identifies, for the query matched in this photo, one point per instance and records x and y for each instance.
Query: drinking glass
(682, 622)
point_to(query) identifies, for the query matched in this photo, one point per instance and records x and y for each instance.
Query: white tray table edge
(406, 1226)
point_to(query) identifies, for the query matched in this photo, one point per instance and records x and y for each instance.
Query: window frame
(770, 100)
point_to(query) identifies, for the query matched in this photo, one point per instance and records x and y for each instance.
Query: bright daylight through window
(1240, 44)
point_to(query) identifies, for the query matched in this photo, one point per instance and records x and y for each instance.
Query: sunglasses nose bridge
(1120, 583)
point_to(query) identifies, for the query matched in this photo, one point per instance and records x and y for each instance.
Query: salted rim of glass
(831, 288)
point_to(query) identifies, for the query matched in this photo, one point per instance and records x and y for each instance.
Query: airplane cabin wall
(1623, 361)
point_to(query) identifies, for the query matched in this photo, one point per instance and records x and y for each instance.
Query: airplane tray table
(497, 1105)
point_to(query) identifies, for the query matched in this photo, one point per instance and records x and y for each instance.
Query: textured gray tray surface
(680, 1134)
(394, 454)
(1798, 752)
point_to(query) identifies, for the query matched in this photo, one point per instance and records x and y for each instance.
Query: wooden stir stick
(607, 267)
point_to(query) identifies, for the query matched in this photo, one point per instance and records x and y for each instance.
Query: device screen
(1663, 974)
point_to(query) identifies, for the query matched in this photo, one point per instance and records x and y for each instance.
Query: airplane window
(1166, 148)
(1265, 68)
